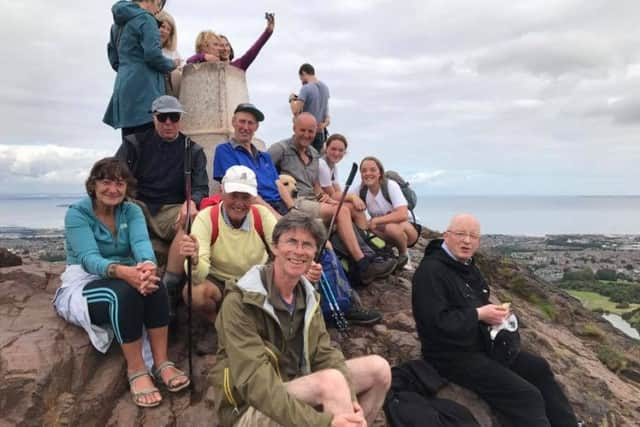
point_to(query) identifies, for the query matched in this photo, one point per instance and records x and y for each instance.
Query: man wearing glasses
(156, 158)
(453, 314)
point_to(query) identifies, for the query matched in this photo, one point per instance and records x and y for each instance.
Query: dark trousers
(526, 394)
(318, 142)
(115, 303)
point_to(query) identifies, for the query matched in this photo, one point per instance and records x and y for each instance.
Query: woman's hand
(148, 275)
(358, 204)
(211, 58)
(271, 21)
(188, 247)
(376, 224)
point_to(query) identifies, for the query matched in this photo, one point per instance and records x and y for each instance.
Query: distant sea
(515, 215)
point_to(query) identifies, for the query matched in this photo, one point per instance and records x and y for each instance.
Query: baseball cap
(166, 104)
(240, 179)
(250, 108)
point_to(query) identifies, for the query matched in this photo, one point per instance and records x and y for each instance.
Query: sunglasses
(162, 117)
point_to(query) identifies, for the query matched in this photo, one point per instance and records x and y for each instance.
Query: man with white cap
(156, 158)
(227, 239)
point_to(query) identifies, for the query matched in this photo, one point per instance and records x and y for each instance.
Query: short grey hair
(297, 220)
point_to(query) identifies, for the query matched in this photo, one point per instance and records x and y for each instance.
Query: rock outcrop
(52, 375)
(8, 259)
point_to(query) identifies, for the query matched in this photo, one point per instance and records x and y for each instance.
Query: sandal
(138, 395)
(169, 384)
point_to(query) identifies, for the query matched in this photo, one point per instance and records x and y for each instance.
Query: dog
(289, 183)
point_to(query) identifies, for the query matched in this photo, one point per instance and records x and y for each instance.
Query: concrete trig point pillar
(210, 92)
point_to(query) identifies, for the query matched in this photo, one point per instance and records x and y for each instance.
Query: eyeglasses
(162, 117)
(462, 234)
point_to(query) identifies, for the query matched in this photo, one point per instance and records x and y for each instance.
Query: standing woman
(110, 287)
(135, 54)
(389, 213)
(169, 43)
(334, 150)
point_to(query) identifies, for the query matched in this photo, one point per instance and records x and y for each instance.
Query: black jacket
(445, 296)
(159, 169)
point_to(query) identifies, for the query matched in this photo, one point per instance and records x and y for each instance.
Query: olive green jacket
(250, 367)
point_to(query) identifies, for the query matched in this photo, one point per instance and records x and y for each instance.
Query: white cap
(240, 179)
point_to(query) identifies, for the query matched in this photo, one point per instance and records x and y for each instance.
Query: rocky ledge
(52, 375)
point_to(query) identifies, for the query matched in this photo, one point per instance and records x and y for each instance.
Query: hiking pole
(352, 175)
(336, 313)
(187, 183)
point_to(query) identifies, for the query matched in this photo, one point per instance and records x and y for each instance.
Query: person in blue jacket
(110, 287)
(135, 53)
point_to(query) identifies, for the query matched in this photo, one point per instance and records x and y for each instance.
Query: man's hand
(314, 273)
(492, 314)
(182, 216)
(349, 420)
(188, 247)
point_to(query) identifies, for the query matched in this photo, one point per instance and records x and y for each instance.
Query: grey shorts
(308, 206)
(162, 224)
(252, 418)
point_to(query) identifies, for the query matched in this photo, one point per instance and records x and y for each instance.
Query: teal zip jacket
(135, 53)
(91, 244)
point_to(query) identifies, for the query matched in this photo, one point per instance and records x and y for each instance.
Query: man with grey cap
(156, 159)
(227, 239)
(239, 150)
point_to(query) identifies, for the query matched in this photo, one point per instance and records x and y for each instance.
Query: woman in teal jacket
(136, 55)
(110, 287)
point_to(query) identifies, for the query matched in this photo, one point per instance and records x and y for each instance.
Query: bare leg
(175, 261)
(358, 217)
(327, 388)
(394, 234)
(133, 355)
(206, 298)
(371, 378)
(158, 338)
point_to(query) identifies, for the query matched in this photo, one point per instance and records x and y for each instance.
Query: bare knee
(380, 371)
(329, 382)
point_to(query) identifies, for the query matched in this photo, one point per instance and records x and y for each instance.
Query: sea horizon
(517, 215)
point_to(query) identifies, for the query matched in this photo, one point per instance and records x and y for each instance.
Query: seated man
(241, 151)
(242, 239)
(296, 157)
(451, 306)
(275, 362)
(156, 159)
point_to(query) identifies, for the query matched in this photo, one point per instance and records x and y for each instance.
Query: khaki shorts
(308, 206)
(162, 224)
(252, 418)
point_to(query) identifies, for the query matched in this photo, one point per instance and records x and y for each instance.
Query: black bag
(505, 347)
(410, 401)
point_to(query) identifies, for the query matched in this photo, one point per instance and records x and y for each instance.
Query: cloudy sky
(463, 97)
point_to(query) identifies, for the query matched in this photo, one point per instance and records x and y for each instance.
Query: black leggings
(115, 303)
(525, 394)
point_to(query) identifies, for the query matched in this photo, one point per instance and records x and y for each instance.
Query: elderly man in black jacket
(157, 160)
(453, 315)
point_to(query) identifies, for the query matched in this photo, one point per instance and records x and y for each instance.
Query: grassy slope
(592, 301)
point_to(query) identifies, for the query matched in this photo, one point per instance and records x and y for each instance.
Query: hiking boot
(362, 316)
(377, 269)
(402, 261)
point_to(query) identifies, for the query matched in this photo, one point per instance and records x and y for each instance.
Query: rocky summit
(53, 376)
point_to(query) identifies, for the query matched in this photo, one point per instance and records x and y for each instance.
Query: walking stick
(187, 181)
(336, 313)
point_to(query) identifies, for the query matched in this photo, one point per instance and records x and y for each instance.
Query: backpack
(336, 279)
(407, 191)
(411, 401)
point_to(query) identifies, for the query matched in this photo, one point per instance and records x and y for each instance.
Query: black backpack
(411, 400)
(407, 191)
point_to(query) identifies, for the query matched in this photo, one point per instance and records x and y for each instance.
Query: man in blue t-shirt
(239, 150)
(313, 98)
